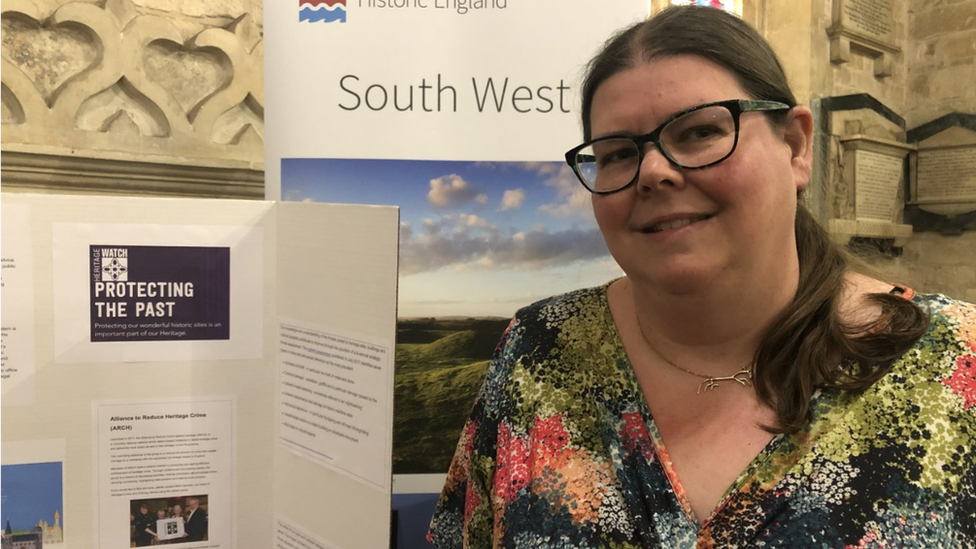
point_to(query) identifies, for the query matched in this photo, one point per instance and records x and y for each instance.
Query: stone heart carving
(49, 55)
(189, 76)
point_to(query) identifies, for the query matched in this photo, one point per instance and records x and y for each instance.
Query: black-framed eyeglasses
(692, 139)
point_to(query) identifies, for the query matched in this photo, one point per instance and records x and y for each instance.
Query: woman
(178, 514)
(160, 515)
(739, 387)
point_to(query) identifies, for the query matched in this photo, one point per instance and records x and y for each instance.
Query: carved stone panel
(871, 19)
(115, 82)
(870, 26)
(944, 173)
(877, 180)
(862, 120)
(873, 174)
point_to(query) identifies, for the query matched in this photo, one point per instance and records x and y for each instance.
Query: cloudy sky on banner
(531, 221)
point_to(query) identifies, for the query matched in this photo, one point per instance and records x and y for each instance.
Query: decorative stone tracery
(130, 98)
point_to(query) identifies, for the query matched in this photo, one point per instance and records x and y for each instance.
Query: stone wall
(916, 67)
(931, 262)
(859, 73)
(191, 14)
(941, 51)
(940, 66)
(159, 97)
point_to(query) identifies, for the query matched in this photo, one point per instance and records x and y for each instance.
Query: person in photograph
(176, 511)
(196, 521)
(742, 385)
(160, 515)
(145, 527)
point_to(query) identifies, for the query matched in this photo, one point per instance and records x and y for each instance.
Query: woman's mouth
(672, 224)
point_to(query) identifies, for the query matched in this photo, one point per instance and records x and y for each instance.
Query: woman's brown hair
(801, 350)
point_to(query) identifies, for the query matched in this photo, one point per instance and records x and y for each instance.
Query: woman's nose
(657, 172)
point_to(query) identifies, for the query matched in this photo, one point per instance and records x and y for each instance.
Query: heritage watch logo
(322, 11)
(159, 293)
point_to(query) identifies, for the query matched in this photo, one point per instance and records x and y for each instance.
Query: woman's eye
(701, 133)
(618, 155)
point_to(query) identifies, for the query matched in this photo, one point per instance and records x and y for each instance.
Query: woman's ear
(798, 134)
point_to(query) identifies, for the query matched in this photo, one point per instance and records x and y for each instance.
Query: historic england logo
(322, 11)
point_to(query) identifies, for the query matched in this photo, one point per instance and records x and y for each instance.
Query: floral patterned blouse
(561, 451)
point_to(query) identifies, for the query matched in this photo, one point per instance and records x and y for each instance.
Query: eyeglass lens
(693, 140)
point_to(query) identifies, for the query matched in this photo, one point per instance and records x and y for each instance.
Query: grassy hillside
(440, 365)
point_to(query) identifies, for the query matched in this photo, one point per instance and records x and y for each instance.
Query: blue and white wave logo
(322, 11)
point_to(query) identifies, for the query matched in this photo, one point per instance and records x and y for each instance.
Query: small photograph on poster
(159, 293)
(169, 520)
(478, 240)
(33, 503)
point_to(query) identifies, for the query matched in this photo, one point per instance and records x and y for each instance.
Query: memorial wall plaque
(872, 19)
(942, 175)
(874, 174)
(946, 175)
(869, 24)
(877, 177)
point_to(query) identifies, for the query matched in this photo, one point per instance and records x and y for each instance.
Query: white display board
(146, 370)
(459, 113)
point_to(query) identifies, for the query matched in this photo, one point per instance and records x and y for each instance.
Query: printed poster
(456, 80)
(333, 400)
(165, 470)
(137, 293)
(289, 535)
(17, 289)
(159, 293)
(462, 121)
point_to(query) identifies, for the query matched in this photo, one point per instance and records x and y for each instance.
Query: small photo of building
(33, 496)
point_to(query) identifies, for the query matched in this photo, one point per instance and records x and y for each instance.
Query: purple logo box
(159, 293)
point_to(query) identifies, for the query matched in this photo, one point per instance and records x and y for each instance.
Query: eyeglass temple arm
(761, 105)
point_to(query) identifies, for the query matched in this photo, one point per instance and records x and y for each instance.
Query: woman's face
(682, 230)
(161, 513)
(177, 511)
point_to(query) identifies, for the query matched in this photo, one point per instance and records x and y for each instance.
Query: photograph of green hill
(478, 240)
(440, 365)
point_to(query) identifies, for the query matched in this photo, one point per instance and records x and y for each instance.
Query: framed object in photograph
(171, 528)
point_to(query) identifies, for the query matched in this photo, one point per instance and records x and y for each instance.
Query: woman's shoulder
(952, 322)
(945, 356)
(944, 304)
(558, 330)
(551, 319)
(569, 301)
(561, 312)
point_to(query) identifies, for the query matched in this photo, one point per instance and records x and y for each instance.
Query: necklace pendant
(742, 377)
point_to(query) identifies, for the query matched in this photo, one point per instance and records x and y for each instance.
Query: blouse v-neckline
(660, 450)
(777, 445)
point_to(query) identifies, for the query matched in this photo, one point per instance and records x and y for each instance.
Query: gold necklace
(742, 377)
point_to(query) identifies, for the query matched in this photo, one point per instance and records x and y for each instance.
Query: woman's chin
(684, 281)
